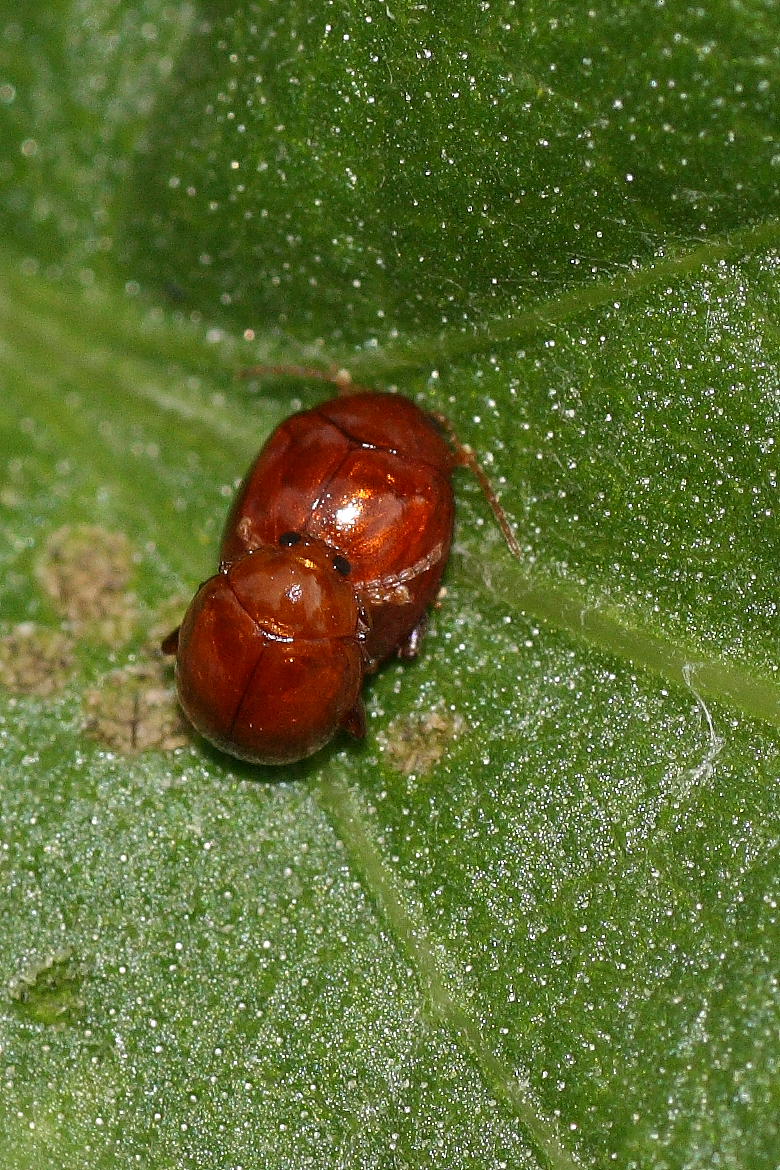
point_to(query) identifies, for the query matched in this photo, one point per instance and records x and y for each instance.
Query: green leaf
(532, 922)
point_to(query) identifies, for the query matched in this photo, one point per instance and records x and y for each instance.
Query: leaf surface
(532, 922)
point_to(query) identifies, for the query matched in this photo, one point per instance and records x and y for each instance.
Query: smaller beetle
(332, 553)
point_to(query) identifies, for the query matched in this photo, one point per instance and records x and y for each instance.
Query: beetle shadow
(278, 773)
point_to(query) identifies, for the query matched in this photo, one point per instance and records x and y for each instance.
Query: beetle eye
(288, 539)
(341, 565)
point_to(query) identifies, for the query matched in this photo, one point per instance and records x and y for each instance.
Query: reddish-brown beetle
(332, 553)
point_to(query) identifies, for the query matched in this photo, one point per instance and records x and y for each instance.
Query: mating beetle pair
(332, 553)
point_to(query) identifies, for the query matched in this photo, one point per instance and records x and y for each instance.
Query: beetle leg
(465, 457)
(341, 379)
(170, 644)
(410, 647)
(355, 720)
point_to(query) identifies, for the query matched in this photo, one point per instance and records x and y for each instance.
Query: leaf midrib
(547, 601)
(411, 935)
(570, 305)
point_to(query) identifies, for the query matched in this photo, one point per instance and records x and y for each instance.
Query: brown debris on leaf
(86, 570)
(34, 660)
(135, 710)
(49, 993)
(415, 743)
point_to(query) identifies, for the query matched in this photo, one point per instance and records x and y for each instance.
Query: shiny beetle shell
(369, 475)
(332, 553)
(270, 659)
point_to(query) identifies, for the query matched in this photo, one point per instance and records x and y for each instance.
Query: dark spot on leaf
(136, 710)
(34, 660)
(414, 744)
(86, 570)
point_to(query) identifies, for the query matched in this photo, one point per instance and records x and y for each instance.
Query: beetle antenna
(467, 458)
(341, 379)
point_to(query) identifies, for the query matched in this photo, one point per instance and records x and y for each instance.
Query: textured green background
(558, 946)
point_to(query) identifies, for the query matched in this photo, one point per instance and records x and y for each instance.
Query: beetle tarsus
(354, 721)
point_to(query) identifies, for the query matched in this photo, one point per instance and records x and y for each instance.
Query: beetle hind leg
(354, 721)
(170, 644)
(465, 457)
